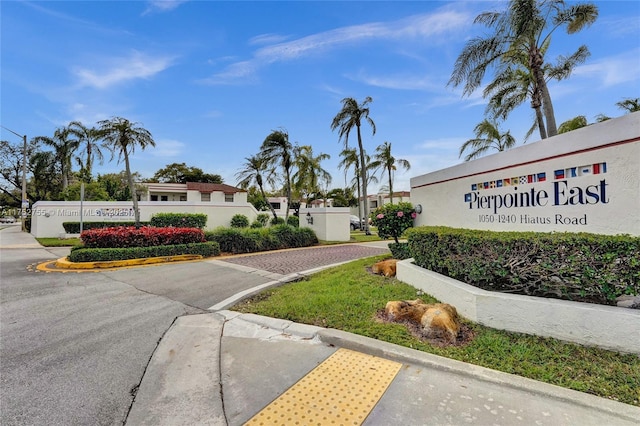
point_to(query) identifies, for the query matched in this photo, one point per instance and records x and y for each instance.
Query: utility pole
(24, 205)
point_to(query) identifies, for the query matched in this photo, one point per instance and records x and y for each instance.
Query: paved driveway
(75, 345)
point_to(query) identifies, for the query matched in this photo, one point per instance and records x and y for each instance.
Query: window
(183, 198)
(228, 198)
(205, 196)
(154, 198)
(276, 206)
(373, 204)
(164, 198)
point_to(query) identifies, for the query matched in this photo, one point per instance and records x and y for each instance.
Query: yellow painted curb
(63, 263)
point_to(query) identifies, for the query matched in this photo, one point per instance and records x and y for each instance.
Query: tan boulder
(436, 319)
(385, 267)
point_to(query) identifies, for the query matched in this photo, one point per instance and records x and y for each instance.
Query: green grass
(58, 242)
(348, 297)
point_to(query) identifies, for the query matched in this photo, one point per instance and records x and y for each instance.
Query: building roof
(212, 187)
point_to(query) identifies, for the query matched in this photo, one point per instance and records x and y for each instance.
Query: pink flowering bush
(146, 236)
(393, 219)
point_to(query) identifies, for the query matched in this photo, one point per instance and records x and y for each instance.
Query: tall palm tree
(629, 104)
(89, 137)
(310, 174)
(351, 115)
(387, 162)
(254, 167)
(515, 82)
(64, 146)
(525, 26)
(277, 151)
(350, 159)
(487, 136)
(121, 136)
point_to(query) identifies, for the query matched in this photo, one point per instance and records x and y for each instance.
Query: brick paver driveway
(298, 260)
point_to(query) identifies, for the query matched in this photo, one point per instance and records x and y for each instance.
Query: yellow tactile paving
(341, 391)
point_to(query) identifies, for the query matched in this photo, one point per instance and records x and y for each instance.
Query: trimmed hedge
(145, 236)
(570, 266)
(179, 220)
(74, 227)
(239, 221)
(400, 251)
(250, 240)
(82, 254)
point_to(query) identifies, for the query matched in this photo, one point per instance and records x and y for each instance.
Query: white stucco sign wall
(587, 180)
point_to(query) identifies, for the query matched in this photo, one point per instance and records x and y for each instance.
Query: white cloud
(401, 82)
(167, 148)
(418, 26)
(121, 69)
(613, 70)
(162, 5)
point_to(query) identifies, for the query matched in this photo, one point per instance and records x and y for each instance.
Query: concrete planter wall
(608, 327)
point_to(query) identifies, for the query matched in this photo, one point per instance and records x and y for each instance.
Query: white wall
(593, 201)
(329, 223)
(48, 216)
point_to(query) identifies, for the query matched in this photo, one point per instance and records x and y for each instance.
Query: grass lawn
(58, 242)
(348, 297)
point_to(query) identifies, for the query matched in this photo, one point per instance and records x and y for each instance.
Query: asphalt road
(74, 346)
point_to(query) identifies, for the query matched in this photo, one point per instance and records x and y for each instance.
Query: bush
(74, 227)
(179, 220)
(263, 219)
(393, 219)
(239, 221)
(293, 221)
(277, 221)
(82, 254)
(145, 236)
(256, 225)
(571, 266)
(249, 240)
(400, 251)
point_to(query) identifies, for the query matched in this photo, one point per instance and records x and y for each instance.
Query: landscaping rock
(628, 301)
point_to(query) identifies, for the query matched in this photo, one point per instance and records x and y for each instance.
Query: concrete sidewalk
(223, 368)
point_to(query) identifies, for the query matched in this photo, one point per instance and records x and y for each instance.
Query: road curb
(63, 263)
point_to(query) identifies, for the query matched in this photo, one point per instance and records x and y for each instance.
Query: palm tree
(122, 136)
(254, 167)
(89, 137)
(526, 26)
(573, 124)
(629, 104)
(487, 136)
(64, 147)
(387, 162)
(309, 174)
(350, 159)
(515, 82)
(277, 151)
(350, 116)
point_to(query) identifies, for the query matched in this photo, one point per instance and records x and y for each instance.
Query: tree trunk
(390, 187)
(535, 104)
(132, 189)
(536, 62)
(363, 176)
(552, 129)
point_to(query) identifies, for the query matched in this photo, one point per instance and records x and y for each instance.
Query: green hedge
(82, 254)
(179, 220)
(74, 227)
(250, 240)
(400, 251)
(571, 266)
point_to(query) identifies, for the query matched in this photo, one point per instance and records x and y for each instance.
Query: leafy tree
(525, 26)
(117, 185)
(181, 173)
(342, 197)
(45, 184)
(349, 117)
(310, 174)
(629, 105)
(93, 191)
(387, 162)
(88, 138)
(573, 124)
(64, 146)
(252, 172)
(487, 136)
(121, 137)
(11, 158)
(277, 151)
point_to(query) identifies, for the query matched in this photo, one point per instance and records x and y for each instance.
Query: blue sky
(211, 79)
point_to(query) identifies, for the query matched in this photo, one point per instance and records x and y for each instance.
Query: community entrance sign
(587, 180)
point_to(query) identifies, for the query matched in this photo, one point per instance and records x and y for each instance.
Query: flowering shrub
(393, 219)
(145, 236)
